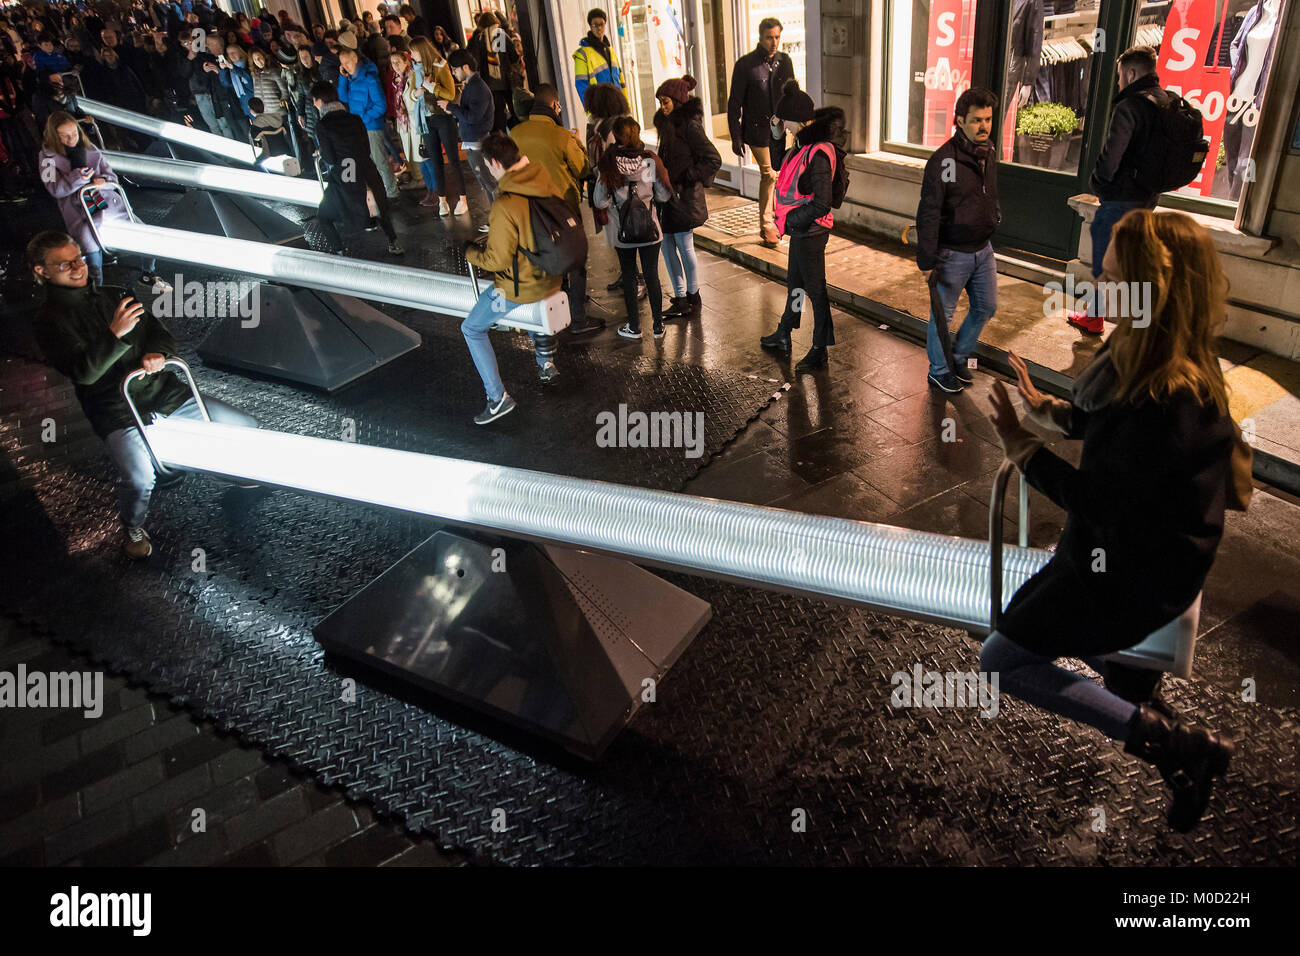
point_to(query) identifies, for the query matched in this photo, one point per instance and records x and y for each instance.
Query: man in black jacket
(96, 336)
(205, 85)
(344, 148)
(1113, 178)
(757, 83)
(955, 221)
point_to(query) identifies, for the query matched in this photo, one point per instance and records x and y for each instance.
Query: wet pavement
(865, 439)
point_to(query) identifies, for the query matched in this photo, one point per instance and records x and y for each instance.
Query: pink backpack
(787, 184)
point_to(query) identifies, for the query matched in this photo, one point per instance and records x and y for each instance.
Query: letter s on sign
(946, 33)
(1186, 54)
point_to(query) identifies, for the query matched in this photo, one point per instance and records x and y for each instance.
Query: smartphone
(72, 83)
(222, 62)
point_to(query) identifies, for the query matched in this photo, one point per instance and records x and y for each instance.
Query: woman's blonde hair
(52, 142)
(429, 54)
(1188, 298)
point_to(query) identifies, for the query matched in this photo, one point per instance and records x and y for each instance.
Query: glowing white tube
(244, 182)
(931, 576)
(173, 132)
(399, 285)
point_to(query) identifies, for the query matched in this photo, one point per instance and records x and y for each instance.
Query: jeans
(95, 265)
(376, 137)
(475, 329)
(447, 180)
(806, 284)
(679, 256)
(216, 124)
(1109, 212)
(1036, 680)
(977, 273)
(650, 267)
(766, 186)
(134, 467)
(478, 166)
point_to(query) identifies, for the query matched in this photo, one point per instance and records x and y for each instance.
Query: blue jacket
(363, 96)
(55, 60)
(238, 80)
(475, 111)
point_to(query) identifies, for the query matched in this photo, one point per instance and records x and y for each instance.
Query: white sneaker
(484, 228)
(462, 207)
(443, 208)
(155, 284)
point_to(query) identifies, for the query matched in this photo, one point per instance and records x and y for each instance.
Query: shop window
(931, 49)
(1217, 54)
(1050, 48)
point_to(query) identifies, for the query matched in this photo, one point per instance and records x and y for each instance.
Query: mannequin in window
(1026, 48)
(1252, 51)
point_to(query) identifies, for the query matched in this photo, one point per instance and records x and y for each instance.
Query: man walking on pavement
(1114, 180)
(955, 221)
(360, 92)
(756, 87)
(544, 140)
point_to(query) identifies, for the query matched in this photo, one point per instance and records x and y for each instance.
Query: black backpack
(558, 235)
(636, 222)
(1177, 147)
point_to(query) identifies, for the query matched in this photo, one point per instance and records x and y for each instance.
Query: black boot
(696, 306)
(816, 358)
(678, 308)
(778, 341)
(1189, 758)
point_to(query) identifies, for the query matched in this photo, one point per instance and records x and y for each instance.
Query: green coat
(73, 332)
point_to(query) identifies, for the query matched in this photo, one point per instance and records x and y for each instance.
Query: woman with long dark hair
(604, 103)
(1145, 506)
(632, 180)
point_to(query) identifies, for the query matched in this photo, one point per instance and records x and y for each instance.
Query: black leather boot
(696, 306)
(815, 359)
(678, 308)
(1189, 758)
(778, 341)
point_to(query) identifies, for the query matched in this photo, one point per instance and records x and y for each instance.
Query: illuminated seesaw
(564, 634)
(239, 182)
(171, 132)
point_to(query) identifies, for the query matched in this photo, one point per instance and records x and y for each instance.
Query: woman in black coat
(691, 162)
(1145, 506)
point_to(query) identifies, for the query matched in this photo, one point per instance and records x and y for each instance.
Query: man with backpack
(544, 140)
(1150, 147)
(527, 263)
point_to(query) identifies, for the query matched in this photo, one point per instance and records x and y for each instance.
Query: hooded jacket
(510, 227)
(817, 180)
(962, 214)
(595, 61)
(65, 184)
(691, 161)
(72, 330)
(640, 172)
(543, 140)
(1127, 138)
(363, 95)
(756, 85)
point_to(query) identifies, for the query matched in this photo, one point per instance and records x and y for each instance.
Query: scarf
(981, 151)
(76, 156)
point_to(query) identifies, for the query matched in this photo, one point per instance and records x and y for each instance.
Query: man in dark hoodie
(804, 213)
(96, 336)
(955, 221)
(1113, 180)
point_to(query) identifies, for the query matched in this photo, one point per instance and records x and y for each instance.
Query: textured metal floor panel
(780, 705)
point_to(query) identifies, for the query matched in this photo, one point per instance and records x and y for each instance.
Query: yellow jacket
(545, 141)
(510, 227)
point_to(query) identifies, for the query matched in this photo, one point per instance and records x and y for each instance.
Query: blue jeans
(679, 257)
(1109, 212)
(95, 265)
(134, 467)
(977, 273)
(475, 329)
(1036, 680)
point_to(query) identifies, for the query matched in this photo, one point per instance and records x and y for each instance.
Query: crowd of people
(389, 104)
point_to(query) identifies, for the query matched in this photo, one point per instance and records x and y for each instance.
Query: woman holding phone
(68, 162)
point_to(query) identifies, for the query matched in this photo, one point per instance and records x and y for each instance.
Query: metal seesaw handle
(135, 413)
(81, 196)
(997, 505)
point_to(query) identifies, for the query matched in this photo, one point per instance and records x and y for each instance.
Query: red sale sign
(949, 53)
(1189, 30)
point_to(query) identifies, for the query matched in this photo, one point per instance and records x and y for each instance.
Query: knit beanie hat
(678, 90)
(348, 40)
(795, 104)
